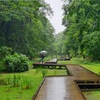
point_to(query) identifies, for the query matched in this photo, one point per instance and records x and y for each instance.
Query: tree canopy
(81, 18)
(24, 26)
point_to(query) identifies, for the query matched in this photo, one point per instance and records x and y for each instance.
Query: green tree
(59, 44)
(24, 26)
(82, 19)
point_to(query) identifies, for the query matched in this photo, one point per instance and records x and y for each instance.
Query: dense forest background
(82, 21)
(25, 28)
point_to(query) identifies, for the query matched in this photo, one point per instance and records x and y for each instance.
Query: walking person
(42, 54)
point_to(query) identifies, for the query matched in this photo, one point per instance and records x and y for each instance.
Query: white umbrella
(43, 52)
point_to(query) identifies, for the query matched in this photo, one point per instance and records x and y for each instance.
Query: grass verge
(10, 92)
(22, 86)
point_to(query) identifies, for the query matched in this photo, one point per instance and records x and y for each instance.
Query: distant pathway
(65, 87)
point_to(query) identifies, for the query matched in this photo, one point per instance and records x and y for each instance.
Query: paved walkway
(80, 73)
(52, 61)
(65, 87)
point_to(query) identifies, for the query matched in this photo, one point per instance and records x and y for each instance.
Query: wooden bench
(50, 66)
(52, 61)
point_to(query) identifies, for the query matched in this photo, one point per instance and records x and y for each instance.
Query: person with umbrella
(42, 53)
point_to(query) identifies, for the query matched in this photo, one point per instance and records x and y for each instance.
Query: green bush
(16, 63)
(2, 68)
(4, 51)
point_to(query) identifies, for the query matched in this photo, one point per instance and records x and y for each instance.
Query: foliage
(17, 92)
(26, 79)
(4, 51)
(60, 45)
(81, 18)
(24, 26)
(19, 81)
(16, 63)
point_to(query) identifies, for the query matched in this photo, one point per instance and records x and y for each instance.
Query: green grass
(53, 72)
(93, 95)
(94, 67)
(9, 92)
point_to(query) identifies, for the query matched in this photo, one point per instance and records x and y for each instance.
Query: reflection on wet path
(65, 87)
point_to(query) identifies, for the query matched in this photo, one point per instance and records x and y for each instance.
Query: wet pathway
(65, 87)
(80, 73)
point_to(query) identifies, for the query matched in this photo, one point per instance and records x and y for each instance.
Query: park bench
(52, 61)
(49, 65)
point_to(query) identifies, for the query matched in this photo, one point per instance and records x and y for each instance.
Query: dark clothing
(42, 57)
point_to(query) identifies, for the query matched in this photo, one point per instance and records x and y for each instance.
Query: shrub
(4, 51)
(2, 68)
(16, 63)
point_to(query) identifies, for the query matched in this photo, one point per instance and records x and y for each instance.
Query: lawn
(10, 92)
(93, 95)
(22, 86)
